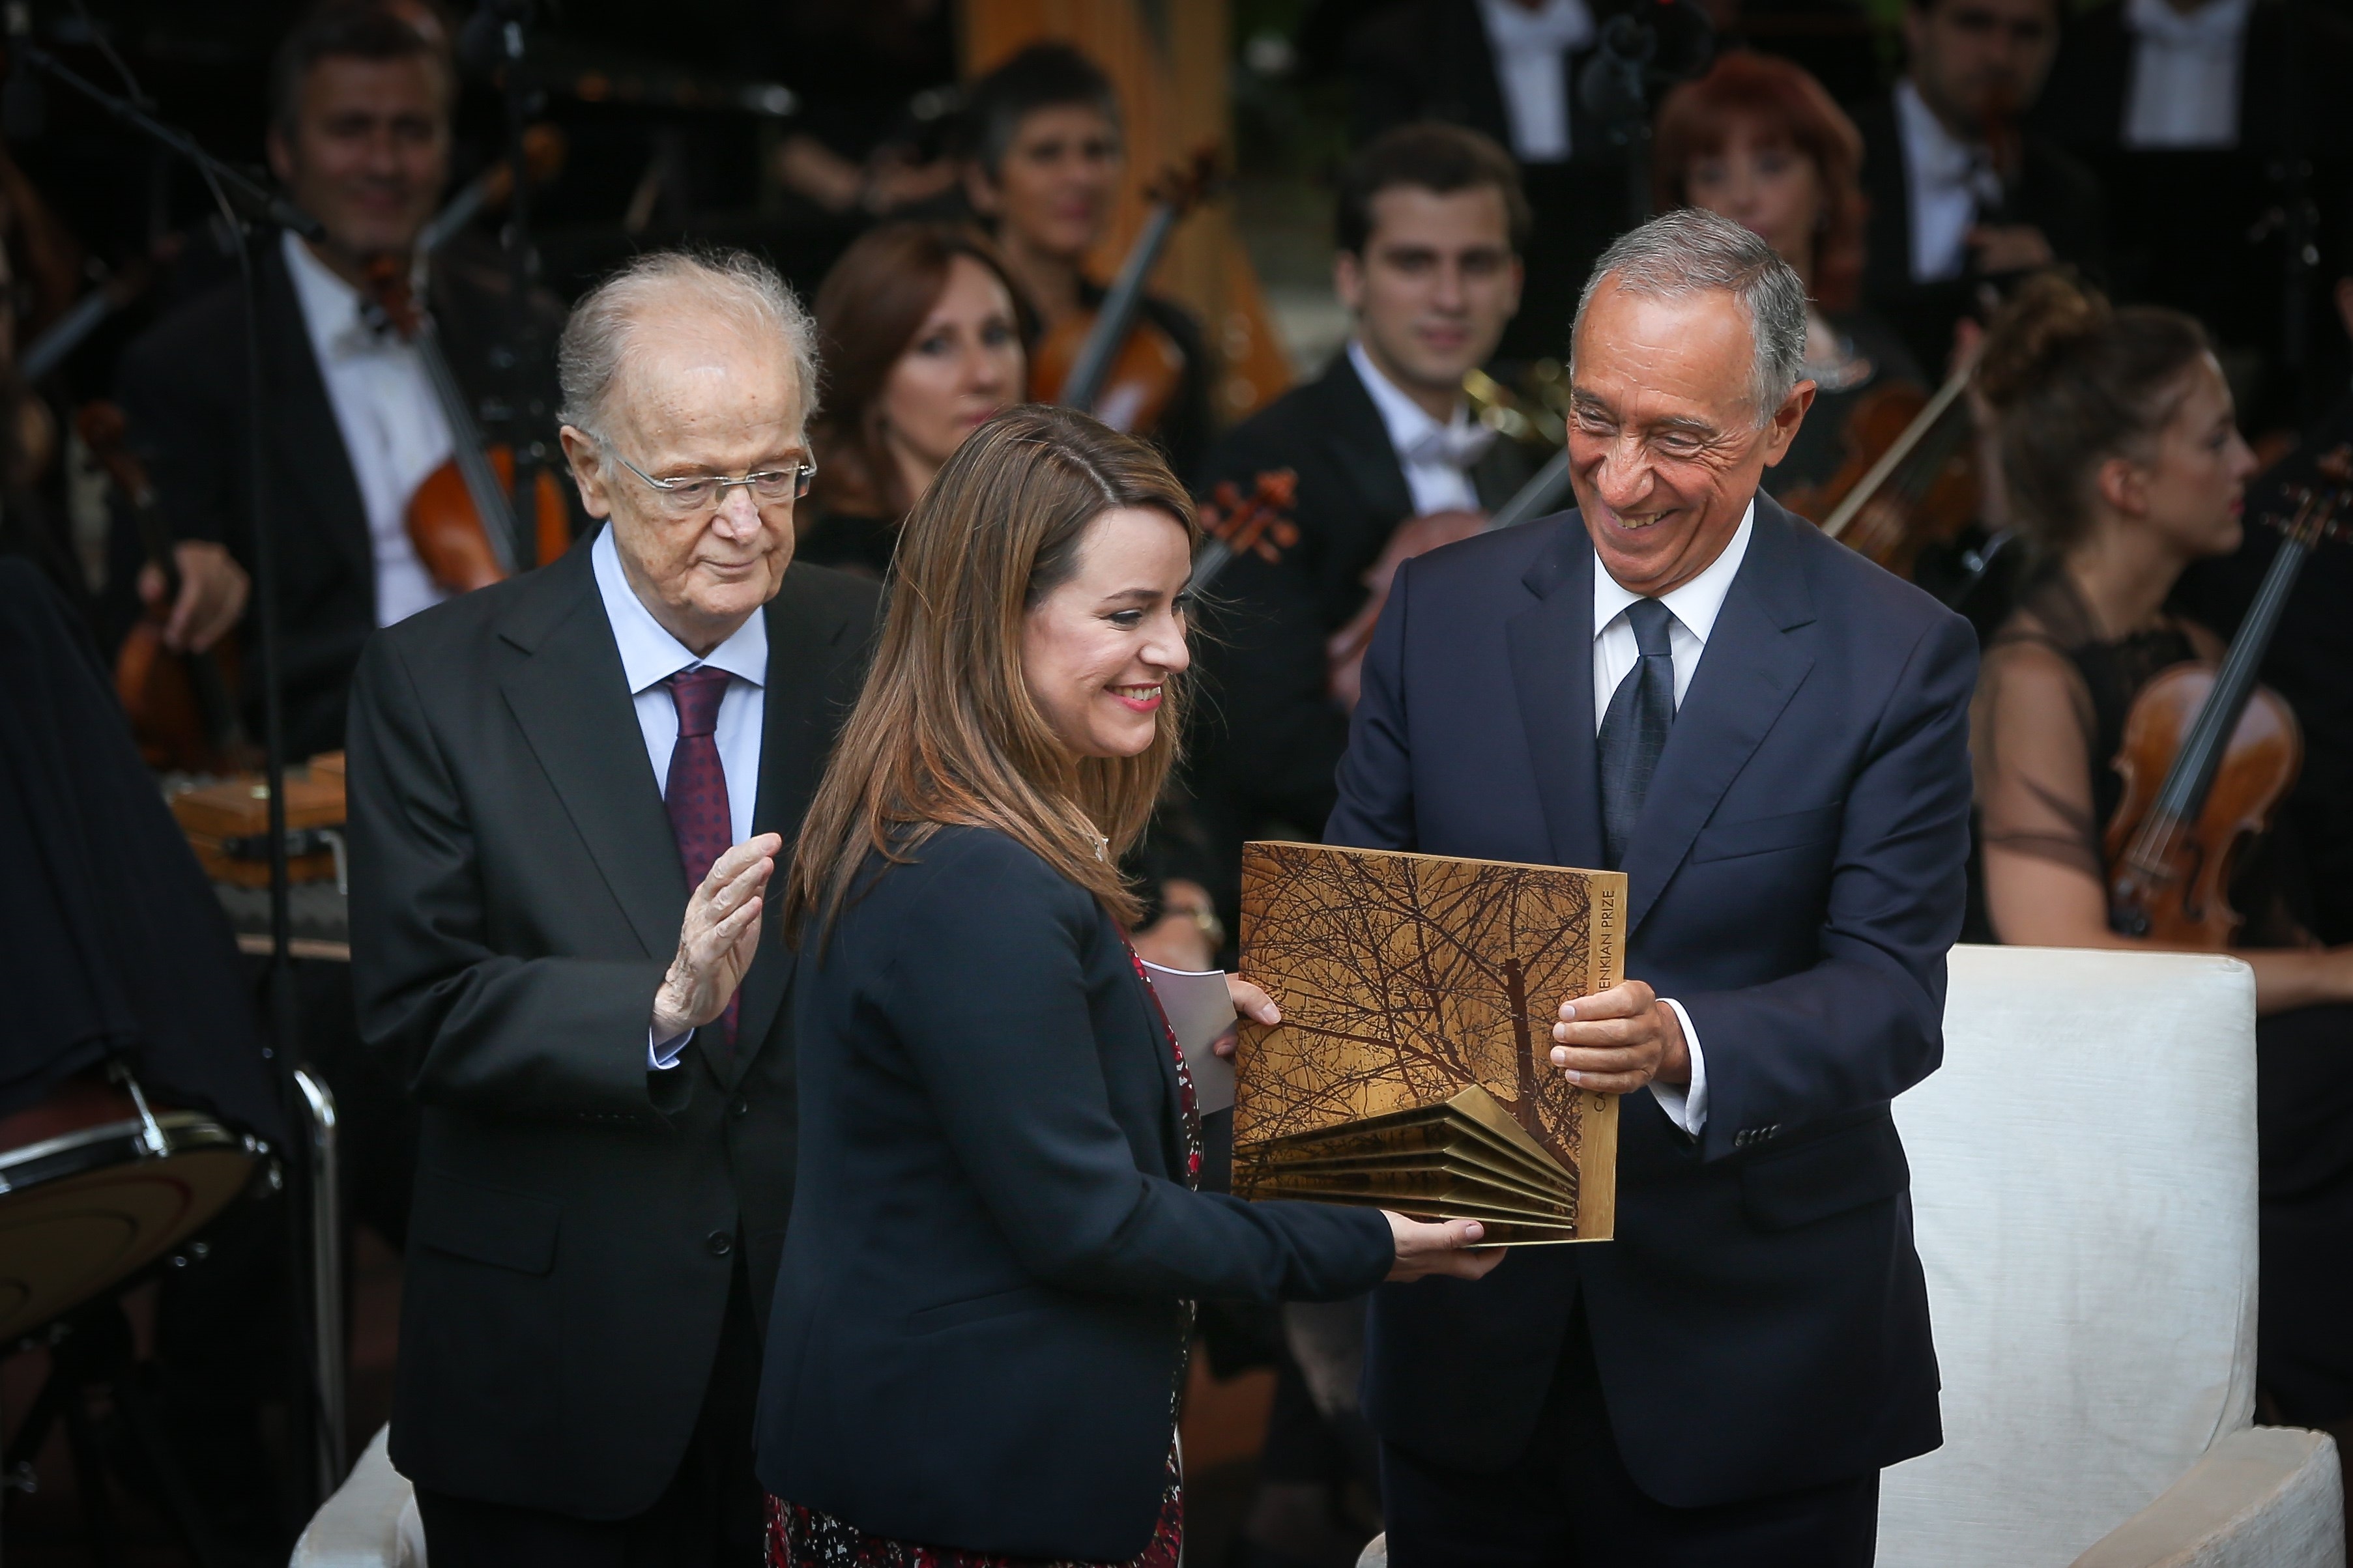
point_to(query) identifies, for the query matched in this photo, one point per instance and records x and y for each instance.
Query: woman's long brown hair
(869, 309)
(945, 731)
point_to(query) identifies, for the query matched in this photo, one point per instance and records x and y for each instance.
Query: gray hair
(1679, 254)
(735, 284)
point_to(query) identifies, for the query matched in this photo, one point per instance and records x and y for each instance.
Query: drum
(94, 1186)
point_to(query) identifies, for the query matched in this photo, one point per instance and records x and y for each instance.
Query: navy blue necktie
(1634, 731)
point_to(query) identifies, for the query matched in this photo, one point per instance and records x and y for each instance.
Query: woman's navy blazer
(979, 1320)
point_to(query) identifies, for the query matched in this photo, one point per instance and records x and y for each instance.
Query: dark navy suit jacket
(979, 1324)
(1795, 880)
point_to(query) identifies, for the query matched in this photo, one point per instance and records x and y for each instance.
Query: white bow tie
(1454, 446)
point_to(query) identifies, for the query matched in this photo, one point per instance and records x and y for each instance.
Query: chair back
(2083, 1188)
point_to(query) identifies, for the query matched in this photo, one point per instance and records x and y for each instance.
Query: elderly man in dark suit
(568, 792)
(1769, 735)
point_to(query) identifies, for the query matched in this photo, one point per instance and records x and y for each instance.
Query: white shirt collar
(1696, 604)
(330, 307)
(2217, 24)
(1407, 421)
(649, 654)
(1936, 156)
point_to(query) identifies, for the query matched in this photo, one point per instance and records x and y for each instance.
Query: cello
(1117, 366)
(2207, 756)
(460, 519)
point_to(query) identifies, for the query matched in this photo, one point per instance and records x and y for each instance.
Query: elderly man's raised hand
(716, 943)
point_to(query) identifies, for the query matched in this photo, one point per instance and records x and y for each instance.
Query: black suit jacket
(2199, 229)
(2054, 193)
(1795, 880)
(1270, 733)
(979, 1325)
(516, 898)
(183, 385)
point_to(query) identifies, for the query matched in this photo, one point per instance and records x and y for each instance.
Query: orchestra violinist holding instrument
(1430, 223)
(355, 420)
(1043, 162)
(2127, 765)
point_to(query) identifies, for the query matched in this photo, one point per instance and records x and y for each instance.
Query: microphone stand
(240, 198)
(513, 18)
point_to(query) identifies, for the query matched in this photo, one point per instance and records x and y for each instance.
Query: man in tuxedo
(1961, 196)
(2193, 113)
(1768, 734)
(1513, 71)
(1431, 222)
(359, 136)
(568, 793)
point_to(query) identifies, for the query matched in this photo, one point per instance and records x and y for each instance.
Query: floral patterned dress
(802, 1536)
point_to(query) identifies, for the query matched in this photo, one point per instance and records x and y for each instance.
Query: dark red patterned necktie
(697, 795)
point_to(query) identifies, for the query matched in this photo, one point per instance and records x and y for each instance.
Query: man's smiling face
(1665, 450)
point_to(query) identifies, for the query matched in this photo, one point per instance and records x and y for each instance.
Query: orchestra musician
(1510, 70)
(2188, 111)
(359, 136)
(1430, 224)
(1962, 192)
(1757, 140)
(2124, 465)
(1042, 163)
(925, 339)
(567, 794)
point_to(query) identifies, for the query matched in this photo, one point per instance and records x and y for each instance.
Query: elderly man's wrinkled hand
(716, 943)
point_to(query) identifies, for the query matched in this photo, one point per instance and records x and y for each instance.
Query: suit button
(741, 1107)
(719, 1243)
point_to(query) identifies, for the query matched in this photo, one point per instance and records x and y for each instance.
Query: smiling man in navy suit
(1769, 735)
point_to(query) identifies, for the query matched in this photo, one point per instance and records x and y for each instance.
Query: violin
(182, 706)
(1909, 478)
(460, 519)
(1108, 360)
(2207, 756)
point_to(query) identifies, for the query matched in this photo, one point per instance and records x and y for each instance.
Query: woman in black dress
(2124, 465)
(1757, 140)
(924, 338)
(983, 1313)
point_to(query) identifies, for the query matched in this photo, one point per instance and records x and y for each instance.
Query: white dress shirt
(1529, 45)
(1948, 180)
(393, 426)
(650, 655)
(1437, 458)
(2185, 73)
(1694, 607)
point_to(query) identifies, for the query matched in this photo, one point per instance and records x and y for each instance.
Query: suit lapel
(303, 426)
(1747, 674)
(572, 701)
(1359, 442)
(796, 734)
(1551, 651)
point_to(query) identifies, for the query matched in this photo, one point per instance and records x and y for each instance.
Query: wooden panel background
(1170, 60)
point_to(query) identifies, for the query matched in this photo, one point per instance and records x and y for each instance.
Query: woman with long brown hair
(2123, 464)
(924, 339)
(1758, 139)
(982, 1319)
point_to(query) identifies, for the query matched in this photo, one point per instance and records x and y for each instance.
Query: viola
(2207, 756)
(182, 706)
(460, 519)
(1109, 361)
(1909, 477)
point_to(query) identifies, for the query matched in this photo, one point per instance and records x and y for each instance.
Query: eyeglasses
(701, 495)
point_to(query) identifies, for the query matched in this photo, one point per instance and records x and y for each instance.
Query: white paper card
(1199, 1010)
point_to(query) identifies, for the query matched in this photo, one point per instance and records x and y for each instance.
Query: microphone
(24, 109)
